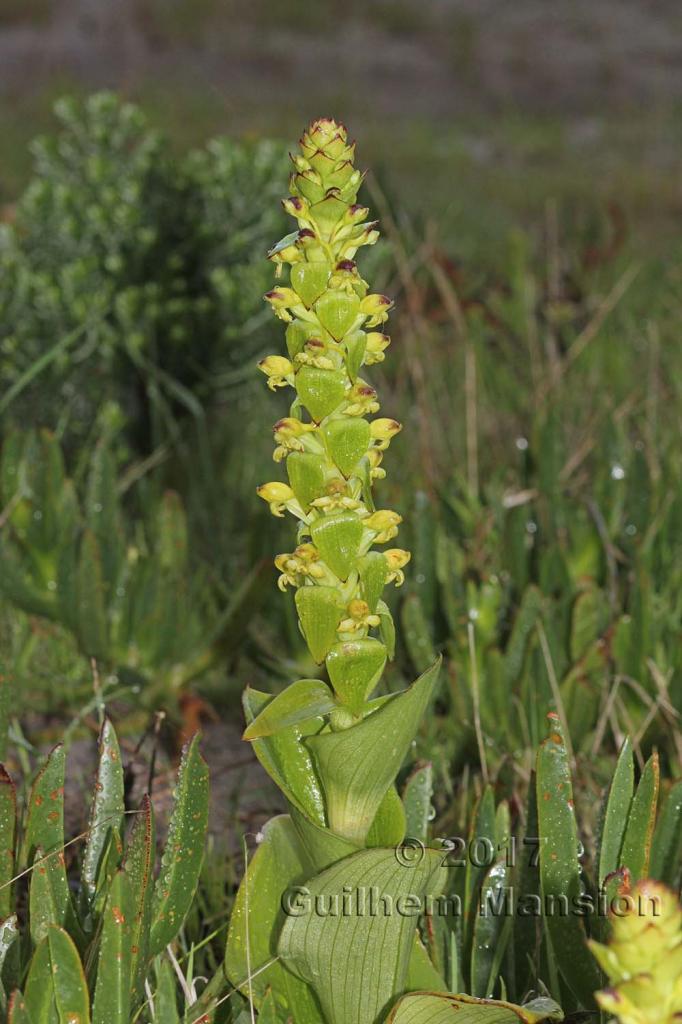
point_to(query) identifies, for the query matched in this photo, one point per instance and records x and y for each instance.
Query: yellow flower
(384, 524)
(346, 277)
(337, 497)
(359, 618)
(304, 561)
(383, 431)
(314, 355)
(288, 433)
(282, 300)
(397, 559)
(278, 370)
(279, 497)
(362, 399)
(376, 345)
(376, 307)
(374, 457)
(367, 235)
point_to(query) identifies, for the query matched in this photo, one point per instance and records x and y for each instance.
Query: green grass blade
(92, 618)
(165, 998)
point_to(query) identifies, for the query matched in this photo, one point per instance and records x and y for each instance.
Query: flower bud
(325, 135)
(289, 254)
(290, 428)
(297, 207)
(359, 618)
(355, 214)
(362, 399)
(277, 495)
(397, 559)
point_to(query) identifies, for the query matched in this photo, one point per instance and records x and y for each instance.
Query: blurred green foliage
(130, 279)
(125, 590)
(545, 517)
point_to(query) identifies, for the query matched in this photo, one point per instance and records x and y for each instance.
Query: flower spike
(330, 449)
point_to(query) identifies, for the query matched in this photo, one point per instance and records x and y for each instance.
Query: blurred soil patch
(475, 110)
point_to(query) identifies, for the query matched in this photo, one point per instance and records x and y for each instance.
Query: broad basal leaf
(354, 938)
(431, 1008)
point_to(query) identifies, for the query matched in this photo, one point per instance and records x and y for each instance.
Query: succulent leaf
(184, 853)
(106, 814)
